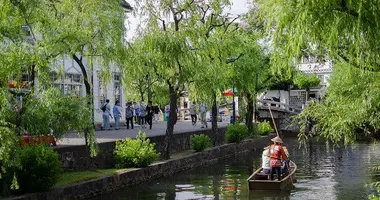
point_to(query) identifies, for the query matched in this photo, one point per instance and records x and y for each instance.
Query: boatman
(277, 153)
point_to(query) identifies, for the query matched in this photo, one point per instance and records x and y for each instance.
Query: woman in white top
(266, 161)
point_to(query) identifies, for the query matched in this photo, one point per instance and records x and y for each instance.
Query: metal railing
(278, 106)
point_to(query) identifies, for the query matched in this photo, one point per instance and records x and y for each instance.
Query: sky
(238, 7)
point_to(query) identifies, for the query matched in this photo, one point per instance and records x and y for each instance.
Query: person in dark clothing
(156, 110)
(149, 114)
(129, 114)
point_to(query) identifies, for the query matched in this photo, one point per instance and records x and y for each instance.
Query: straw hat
(277, 140)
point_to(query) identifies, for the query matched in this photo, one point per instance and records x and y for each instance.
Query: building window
(69, 84)
(117, 89)
(74, 90)
(73, 78)
(321, 78)
(102, 91)
(26, 30)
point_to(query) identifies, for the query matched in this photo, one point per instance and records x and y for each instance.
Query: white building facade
(69, 78)
(297, 97)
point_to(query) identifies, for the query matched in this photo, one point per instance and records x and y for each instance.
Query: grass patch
(75, 177)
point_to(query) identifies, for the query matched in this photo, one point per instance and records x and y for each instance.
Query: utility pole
(233, 106)
(255, 101)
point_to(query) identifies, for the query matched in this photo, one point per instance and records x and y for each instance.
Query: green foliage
(307, 81)
(236, 133)
(340, 30)
(57, 111)
(350, 109)
(39, 169)
(138, 152)
(200, 142)
(264, 128)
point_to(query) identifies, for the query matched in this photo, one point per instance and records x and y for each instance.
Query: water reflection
(334, 174)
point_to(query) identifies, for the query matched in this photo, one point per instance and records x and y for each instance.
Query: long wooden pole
(275, 127)
(274, 123)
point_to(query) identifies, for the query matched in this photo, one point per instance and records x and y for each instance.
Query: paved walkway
(113, 135)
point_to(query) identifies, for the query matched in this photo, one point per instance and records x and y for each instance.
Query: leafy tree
(164, 49)
(217, 43)
(307, 81)
(347, 33)
(251, 74)
(33, 33)
(342, 29)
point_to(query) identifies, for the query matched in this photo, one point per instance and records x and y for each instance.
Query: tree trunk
(142, 95)
(307, 95)
(170, 123)
(88, 94)
(32, 76)
(214, 121)
(249, 114)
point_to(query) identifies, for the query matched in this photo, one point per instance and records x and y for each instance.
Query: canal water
(323, 173)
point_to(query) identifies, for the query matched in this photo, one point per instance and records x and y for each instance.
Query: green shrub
(264, 128)
(137, 152)
(200, 142)
(39, 170)
(236, 133)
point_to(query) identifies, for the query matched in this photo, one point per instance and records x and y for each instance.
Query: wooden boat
(259, 181)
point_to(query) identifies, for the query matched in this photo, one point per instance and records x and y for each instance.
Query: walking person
(193, 113)
(137, 112)
(129, 114)
(156, 111)
(142, 115)
(106, 108)
(117, 114)
(149, 114)
(167, 111)
(203, 111)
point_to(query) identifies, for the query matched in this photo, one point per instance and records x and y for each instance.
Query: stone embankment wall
(108, 184)
(77, 158)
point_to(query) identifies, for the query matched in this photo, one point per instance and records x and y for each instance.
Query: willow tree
(29, 41)
(22, 51)
(344, 31)
(164, 48)
(251, 74)
(217, 43)
(306, 81)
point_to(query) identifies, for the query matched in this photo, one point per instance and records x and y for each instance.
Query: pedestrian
(142, 114)
(106, 108)
(167, 111)
(117, 114)
(176, 115)
(193, 113)
(129, 114)
(137, 112)
(156, 110)
(149, 114)
(203, 111)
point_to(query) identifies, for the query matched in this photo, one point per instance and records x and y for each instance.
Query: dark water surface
(333, 174)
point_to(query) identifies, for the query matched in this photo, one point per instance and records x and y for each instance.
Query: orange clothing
(278, 152)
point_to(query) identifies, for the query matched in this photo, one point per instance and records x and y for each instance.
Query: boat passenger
(284, 163)
(277, 153)
(266, 160)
